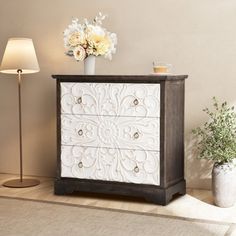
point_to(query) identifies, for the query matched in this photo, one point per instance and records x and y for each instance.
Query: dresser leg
(164, 196)
(159, 198)
(182, 191)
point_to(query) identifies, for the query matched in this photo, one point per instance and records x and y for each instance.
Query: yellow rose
(99, 43)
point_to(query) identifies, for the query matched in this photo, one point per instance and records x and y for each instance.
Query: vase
(224, 184)
(89, 65)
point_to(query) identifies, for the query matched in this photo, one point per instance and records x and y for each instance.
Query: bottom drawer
(130, 166)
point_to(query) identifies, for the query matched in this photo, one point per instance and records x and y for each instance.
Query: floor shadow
(202, 195)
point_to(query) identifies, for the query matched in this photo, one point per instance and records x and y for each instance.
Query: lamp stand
(21, 182)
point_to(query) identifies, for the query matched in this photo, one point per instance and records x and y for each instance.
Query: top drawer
(111, 99)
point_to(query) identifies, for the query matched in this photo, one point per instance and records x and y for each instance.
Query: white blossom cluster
(89, 38)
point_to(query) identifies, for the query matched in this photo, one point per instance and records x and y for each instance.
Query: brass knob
(79, 100)
(136, 135)
(80, 164)
(80, 132)
(135, 102)
(136, 169)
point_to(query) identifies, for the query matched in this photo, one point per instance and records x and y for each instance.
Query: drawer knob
(80, 164)
(135, 102)
(80, 132)
(136, 135)
(136, 169)
(79, 100)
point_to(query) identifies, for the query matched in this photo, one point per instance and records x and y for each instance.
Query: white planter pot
(89, 65)
(224, 185)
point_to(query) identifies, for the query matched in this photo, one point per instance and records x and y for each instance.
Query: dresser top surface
(119, 78)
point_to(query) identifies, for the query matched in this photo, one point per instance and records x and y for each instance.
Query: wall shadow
(197, 171)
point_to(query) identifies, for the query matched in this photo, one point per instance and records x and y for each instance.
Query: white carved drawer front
(112, 99)
(130, 166)
(137, 133)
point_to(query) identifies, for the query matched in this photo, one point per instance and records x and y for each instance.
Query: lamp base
(25, 183)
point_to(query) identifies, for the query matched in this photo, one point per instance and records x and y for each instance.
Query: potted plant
(217, 142)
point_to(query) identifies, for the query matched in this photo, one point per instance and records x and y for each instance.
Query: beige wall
(197, 37)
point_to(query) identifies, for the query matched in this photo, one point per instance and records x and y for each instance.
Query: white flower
(89, 51)
(73, 28)
(79, 53)
(98, 19)
(112, 50)
(95, 29)
(76, 38)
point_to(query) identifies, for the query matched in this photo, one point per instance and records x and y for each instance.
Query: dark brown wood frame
(171, 142)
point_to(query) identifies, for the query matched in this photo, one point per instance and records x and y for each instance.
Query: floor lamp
(20, 58)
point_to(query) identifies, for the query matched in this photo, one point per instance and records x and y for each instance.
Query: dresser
(121, 135)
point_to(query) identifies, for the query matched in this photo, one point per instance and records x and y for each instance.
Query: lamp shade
(19, 54)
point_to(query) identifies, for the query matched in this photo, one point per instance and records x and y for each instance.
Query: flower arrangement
(89, 38)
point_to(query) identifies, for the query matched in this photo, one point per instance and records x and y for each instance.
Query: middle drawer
(135, 133)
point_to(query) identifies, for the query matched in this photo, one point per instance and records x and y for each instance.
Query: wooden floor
(195, 204)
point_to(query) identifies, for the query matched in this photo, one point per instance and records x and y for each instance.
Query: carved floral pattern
(114, 132)
(111, 132)
(111, 99)
(131, 166)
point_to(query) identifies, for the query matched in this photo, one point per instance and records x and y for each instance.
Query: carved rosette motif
(113, 132)
(110, 132)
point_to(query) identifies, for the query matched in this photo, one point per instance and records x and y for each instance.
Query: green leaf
(217, 137)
